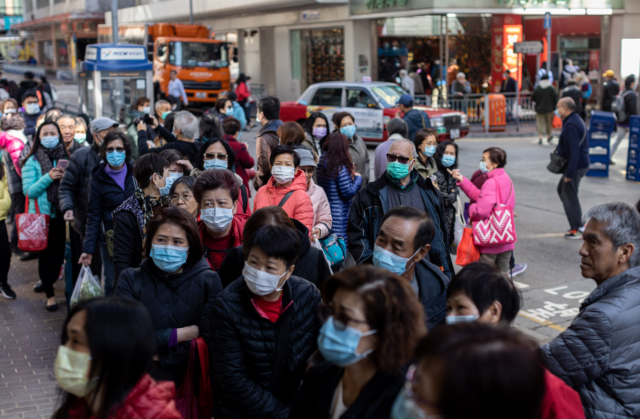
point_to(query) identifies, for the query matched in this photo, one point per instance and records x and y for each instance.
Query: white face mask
(259, 282)
(71, 370)
(146, 109)
(283, 174)
(217, 219)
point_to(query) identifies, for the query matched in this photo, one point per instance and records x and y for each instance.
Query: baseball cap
(609, 73)
(306, 157)
(405, 100)
(101, 124)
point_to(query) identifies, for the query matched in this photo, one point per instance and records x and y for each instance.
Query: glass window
(199, 54)
(328, 97)
(358, 98)
(317, 55)
(388, 95)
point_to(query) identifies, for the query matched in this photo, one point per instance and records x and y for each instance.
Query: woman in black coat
(372, 324)
(447, 159)
(111, 183)
(311, 264)
(264, 328)
(177, 286)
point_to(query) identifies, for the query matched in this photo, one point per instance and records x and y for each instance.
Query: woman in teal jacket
(41, 178)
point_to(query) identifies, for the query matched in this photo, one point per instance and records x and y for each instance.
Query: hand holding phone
(62, 164)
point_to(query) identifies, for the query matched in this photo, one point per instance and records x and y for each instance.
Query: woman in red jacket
(106, 350)
(243, 93)
(243, 162)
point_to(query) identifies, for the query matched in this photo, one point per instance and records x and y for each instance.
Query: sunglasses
(402, 160)
(118, 149)
(209, 156)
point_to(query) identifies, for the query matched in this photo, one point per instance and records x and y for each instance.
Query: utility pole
(114, 20)
(191, 11)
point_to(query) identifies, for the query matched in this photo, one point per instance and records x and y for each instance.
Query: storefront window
(317, 55)
(47, 49)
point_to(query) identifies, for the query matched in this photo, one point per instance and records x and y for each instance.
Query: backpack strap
(137, 283)
(245, 198)
(285, 198)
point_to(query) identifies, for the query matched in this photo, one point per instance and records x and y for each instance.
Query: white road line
(520, 285)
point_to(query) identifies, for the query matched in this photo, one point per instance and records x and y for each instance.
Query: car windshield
(388, 94)
(198, 54)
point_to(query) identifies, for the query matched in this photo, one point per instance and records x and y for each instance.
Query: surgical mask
(32, 108)
(283, 174)
(10, 110)
(483, 167)
(81, 138)
(168, 258)
(448, 161)
(146, 109)
(385, 259)
(215, 164)
(116, 158)
(461, 319)
(319, 132)
(258, 120)
(217, 219)
(164, 190)
(557, 113)
(339, 346)
(165, 114)
(260, 282)
(239, 135)
(71, 370)
(429, 150)
(398, 170)
(349, 131)
(229, 111)
(175, 176)
(406, 408)
(49, 142)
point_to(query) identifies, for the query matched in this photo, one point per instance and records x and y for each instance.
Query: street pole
(114, 20)
(518, 92)
(549, 50)
(441, 46)
(191, 11)
(446, 57)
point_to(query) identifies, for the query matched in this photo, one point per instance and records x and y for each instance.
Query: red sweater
(216, 249)
(243, 160)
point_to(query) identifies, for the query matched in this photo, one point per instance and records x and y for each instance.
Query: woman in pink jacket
(493, 161)
(322, 219)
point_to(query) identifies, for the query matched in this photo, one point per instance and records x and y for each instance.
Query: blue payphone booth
(113, 77)
(633, 155)
(600, 127)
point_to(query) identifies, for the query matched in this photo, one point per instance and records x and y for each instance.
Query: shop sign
(512, 35)
(528, 47)
(310, 15)
(379, 4)
(91, 54)
(109, 54)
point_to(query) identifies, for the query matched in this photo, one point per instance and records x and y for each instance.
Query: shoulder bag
(558, 164)
(498, 228)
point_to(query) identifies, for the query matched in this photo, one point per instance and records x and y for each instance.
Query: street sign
(528, 47)
(547, 21)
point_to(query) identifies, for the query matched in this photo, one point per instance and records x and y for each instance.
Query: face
(175, 168)
(348, 305)
(218, 198)
(30, 101)
(215, 151)
(99, 136)
(450, 151)
(461, 305)
(228, 106)
(163, 108)
(160, 182)
(67, 128)
(600, 261)
(80, 129)
(77, 337)
(562, 110)
(425, 387)
(49, 130)
(308, 172)
(403, 149)
(284, 160)
(173, 75)
(172, 235)
(115, 145)
(319, 123)
(183, 198)
(346, 121)
(144, 105)
(486, 158)
(461, 79)
(428, 142)
(259, 260)
(8, 106)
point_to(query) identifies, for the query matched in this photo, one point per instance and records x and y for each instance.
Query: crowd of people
(333, 296)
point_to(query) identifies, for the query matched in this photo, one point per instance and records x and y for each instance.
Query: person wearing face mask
(182, 195)
(183, 139)
(223, 108)
(497, 190)
(131, 218)
(287, 187)
(345, 123)
(630, 98)
(111, 183)
(426, 141)
(103, 376)
(264, 328)
(400, 185)
(67, 124)
(178, 165)
(397, 129)
(32, 111)
(81, 132)
(372, 323)
(9, 107)
(41, 181)
(243, 161)
(322, 219)
(217, 193)
(315, 131)
(141, 107)
(446, 158)
(268, 115)
(177, 286)
(238, 110)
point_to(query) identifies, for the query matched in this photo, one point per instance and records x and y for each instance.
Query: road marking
(552, 291)
(544, 323)
(520, 284)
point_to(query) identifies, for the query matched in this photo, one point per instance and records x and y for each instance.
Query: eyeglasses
(185, 198)
(341, 319)
(118, 149)
(210, 156)
(402, 160)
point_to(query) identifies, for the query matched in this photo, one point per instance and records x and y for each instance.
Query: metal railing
(68, 107)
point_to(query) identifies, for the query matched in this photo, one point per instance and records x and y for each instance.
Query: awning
(64, 17)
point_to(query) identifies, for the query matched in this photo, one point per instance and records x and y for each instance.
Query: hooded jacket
(322, 218)
(630, 106)
(266, 141)
(416, 120)
(545, 97)
(597, 355)
(569, 147)
(340, 192)
(610, 90)
(13, 146)
(298, 206)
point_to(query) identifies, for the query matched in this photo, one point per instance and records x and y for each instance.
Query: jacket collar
(396, 136)
(271, 126)
(495, 173)
(287, 298)
(382, 182)
(424, 268)
(625, 279)
(299, 184)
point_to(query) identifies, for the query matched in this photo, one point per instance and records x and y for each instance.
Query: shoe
(51, 308)
(7, 292)
(16, 250)
(518, 269)
(28, 256)
(38, 287)
(573, 235)
(549, 139)
(539, 140)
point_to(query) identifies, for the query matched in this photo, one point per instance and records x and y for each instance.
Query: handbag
(467, 252)
(558, 164)
(188, 404)
(33, 229)
(498, 228)
(334, 249)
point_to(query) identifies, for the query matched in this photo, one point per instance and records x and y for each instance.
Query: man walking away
(268, 115)
(176, 88)
(598, 355)
(610, 90)
(415, 119)
(627, 105)
(573, 145)
(397, 129)
(545, 98)
(573, 91)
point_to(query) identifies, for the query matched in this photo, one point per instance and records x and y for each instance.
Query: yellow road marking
(544, 322)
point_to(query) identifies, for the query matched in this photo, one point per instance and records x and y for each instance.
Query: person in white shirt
(176, 88)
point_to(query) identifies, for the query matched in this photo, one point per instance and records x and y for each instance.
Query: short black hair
(232, 97)
(497, 156)
(113, 136)
(231, 156)
(231, 126)
(188, 181)
(30, 93)
(276, 241)
(631, 78)
(285, 149)
(483, 283)
(29, 75)
(146, 166)
(426, 230)
(171, 155)
(270, 107)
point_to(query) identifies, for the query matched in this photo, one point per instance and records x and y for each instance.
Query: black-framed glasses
(309, 171)
(342, 320)
(211, 156)
(401, 159)
(118, 149)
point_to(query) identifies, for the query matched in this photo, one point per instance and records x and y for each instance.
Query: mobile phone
(62, 164)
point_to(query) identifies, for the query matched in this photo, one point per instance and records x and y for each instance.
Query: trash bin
(599, 135)
(633, 155)
(497, 112)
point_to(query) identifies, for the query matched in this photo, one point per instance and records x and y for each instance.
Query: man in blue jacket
(573, 145)
(415, 119)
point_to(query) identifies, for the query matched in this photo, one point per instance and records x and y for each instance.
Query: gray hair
(187, 123)
(568, 103)
(413, 146)
(621, 225)
(160, 103)
(398, 126)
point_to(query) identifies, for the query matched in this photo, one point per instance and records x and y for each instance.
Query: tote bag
(499, 227)
(467, 252)
(33, 229)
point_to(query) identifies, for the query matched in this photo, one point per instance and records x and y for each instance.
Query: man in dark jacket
(267, 140)
(546, 99)
(574, 92)
(32, 111)
(27, 84)
(573, 145)
(399, 185)
(598, 353)
(407, 233)
(415, 119)
(509, 84)
(624, 116)
(610, 90)
(183, 138)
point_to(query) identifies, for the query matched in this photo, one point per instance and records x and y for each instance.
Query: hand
(246, 145)
(186, 103)
(85, 259)
(156, 357)
(315, 234)
(142, 126)
(186, 164)
(357, 174)
(151, 144)
(456, 174)
(68, 216)
(567, 180)
(185, 334)
(56, 173)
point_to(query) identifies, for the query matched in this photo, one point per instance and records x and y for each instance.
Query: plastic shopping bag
(87, 287)
(458, 227)
(33, 229)
(467, 251)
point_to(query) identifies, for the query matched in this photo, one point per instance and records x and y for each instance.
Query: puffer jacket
(35, 184)
(360, 157)
(30, 123)
(446, 184)
(322, 218)
(266, 141)
(173, 301)
(486, 198)
(75, 185)
(13, 146)
(425, 171)
(243, 348)
(298, 206)
(127, 237)
(598, 353)
(5, 198)
(340, 192)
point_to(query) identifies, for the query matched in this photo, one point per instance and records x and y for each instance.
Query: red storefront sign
(513, 34)
(505, 30)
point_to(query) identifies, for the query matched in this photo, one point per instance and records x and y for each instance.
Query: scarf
(147, 205)
(45, 157)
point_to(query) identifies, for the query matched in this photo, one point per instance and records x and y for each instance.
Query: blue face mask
(229, 111)
(390, 261)
(32, 108)
(429, 150)
(164, 190)
(483, 167)
(349, 131)
(557, 114)
(49, 142)
(461, 319)
(116, 158)
(448, 161)
(339, 346)
(168, 258)
(215, 164)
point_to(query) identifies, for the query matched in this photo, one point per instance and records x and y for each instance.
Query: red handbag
(187, 403)
(33, 229)
(467, 252)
